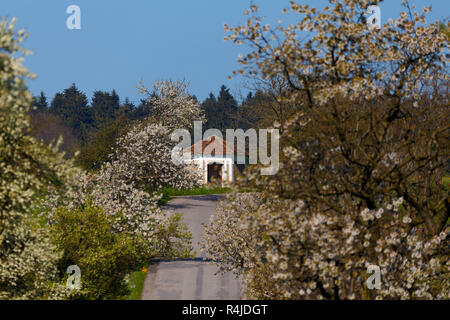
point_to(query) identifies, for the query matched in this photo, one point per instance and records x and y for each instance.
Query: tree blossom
(27, 256)
(361, 165)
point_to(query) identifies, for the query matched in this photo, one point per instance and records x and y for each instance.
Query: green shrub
(85, 236)
(174, 240)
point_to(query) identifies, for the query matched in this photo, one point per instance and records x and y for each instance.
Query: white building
(214, 159)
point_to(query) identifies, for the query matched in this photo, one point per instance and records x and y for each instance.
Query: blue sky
(121, 42)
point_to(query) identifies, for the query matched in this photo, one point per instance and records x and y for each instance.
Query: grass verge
(169, 193)
(136, 284)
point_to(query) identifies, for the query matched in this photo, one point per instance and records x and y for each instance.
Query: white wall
(227, 168)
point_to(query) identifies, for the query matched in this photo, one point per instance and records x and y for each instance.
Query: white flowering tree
(143, 156)
(285, 250)
(27, 256)
(171, 104)
(360, 181)
(128, 187)
(130, 209)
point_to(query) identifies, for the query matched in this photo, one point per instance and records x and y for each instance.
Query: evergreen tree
(40, 103)
(228, 107)
(102, 141)
(209, 107)
(260, 110)
(143, 110)
(128, 105)
(105, 106)
(221, 113)
(72, 108)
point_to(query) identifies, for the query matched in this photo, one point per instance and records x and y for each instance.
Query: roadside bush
(128, 209)
(86, 237)
(173, 238)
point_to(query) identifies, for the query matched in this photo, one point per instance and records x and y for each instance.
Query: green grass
(136, 285)
(169, 193)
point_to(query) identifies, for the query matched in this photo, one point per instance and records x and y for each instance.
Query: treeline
(92, 127)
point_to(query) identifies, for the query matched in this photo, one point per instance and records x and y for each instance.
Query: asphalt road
(192, 279)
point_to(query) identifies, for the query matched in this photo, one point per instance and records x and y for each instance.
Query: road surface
(191, 279)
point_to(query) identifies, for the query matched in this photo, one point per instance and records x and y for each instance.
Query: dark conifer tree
(221, 113)
(105, 106)
(72, 108)
(40, 103)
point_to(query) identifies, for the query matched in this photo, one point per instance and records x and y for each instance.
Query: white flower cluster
(304, 254)
(143, 157)
(343, 56)
(27, 256)
(171, 104)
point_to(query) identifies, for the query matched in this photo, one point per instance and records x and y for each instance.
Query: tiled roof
(213, 145)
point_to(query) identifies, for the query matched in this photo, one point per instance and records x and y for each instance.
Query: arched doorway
(215, 172)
